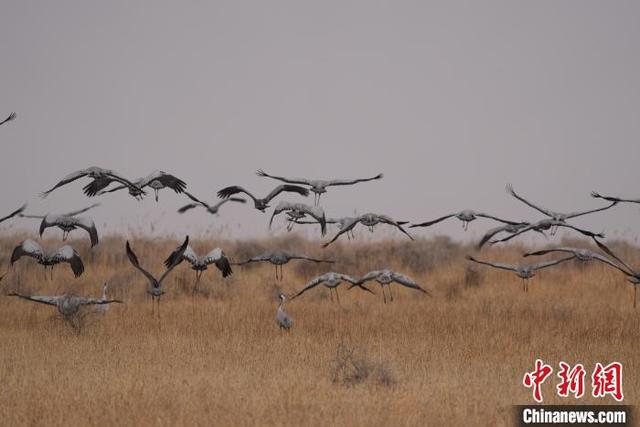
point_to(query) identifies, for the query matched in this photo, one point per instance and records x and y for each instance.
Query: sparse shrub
(351, 367)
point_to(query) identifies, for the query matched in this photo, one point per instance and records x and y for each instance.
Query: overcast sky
(451, 100)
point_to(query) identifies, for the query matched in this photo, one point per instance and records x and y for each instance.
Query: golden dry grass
(218, 358)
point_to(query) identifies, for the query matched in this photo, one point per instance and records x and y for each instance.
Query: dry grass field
(218, 358)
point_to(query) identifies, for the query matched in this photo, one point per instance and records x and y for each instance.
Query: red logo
(605, 380)
(536, 378)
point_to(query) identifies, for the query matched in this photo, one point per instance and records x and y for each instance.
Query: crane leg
(156, 191)
(390, 294)
(153, 305)
(384, 296)
(65, 234)
(337, 296)
(51, 273)
(635, 291)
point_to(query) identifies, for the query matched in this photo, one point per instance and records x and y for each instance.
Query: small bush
(351, 367)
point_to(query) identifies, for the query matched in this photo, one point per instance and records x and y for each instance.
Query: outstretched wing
(547, 251)
(435, 221)
(580, 230)
(27, 248)
(48, 300)
(66, 180)
(517, 233)
(287, 188)
(407, 282)
(495, 218)
(227, 192)
(89, 226)
(133, 258)
(613, 199)
(388, 220)
(372, 275)
(117, 177)
(257, 258)
(282, 206)
(179, 253)
(96, 186)
(629, 271)
(307, 258)
(312, 284)
(347, 227)
(511, 191)
(69, 255)
(81, 211)
(99, 301)
(493, 264)
(300, 181)
(316, 213)
(352, 181)
(550, 263)
(14, 213)
(168, 180)
(11, 117)
(489, 234)
(604, 208)
(230, 199)
(187, 254)
(218, 257)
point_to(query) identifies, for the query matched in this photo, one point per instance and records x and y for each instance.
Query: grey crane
(279, 258)
(11, 117)
(282, 318)
(156, 180)
(583, 255)
(155, 285)
(331, 281)
(507, 228)
(68, 305)
(262, 204)
(613, 199)
(547, 224)
(65, 254)
(369, 220)
(466, 216)
(556, 216)
(341, 223)
(68, 222)
(14, 213)
(212, 209)
(201, 263)
(101, 178)
(633, 275)
(525, 272)
(297, 211)
(385, 278)
(319, 186)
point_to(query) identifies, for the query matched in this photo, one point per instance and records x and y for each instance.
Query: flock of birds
(295, 213)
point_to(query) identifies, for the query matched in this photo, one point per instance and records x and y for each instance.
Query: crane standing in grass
(282, 318)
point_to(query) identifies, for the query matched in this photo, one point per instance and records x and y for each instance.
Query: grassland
(218, 358)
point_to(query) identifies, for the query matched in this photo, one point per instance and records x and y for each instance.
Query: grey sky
(450, 100)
